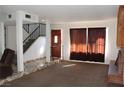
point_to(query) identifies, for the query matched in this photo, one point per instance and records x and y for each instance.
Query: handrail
(31, 34)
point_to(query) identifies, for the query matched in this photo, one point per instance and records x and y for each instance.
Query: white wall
(2, 39)
(34, 18)
(11, 37)
(48, 42)
(36, 50)
(0, 42)
(110, 24)
(2, 45)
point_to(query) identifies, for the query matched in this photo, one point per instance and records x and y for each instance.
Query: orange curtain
(96, 40)
(94, 50)
(78, 40)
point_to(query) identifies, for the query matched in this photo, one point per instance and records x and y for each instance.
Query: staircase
(34, 31)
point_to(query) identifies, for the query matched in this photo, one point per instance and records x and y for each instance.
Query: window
(55, 39)
(78, 40)
(78, 44)
(93, 49)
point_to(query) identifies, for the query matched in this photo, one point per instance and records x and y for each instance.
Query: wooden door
(56, 43)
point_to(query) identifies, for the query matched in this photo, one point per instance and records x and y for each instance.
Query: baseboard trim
(34, 60)
(90, 62)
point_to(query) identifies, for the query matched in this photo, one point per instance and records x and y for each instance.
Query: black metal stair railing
(29, 28)
(26, 27)
(31, 38)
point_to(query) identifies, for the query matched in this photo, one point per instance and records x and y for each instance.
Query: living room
(105, 16)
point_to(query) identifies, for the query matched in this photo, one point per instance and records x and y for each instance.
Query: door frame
(61, 43)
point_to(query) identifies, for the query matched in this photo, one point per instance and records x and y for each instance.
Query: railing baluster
(28, 28)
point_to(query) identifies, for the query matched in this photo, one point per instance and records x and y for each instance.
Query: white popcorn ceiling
(69, 13)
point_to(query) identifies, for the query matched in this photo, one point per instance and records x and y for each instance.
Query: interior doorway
(56, 44)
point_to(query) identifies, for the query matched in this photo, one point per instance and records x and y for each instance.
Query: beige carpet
(66, 74)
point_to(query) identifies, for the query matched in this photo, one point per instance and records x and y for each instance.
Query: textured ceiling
(70, 13)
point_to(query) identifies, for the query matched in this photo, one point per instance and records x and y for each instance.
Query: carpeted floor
(66, 74)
